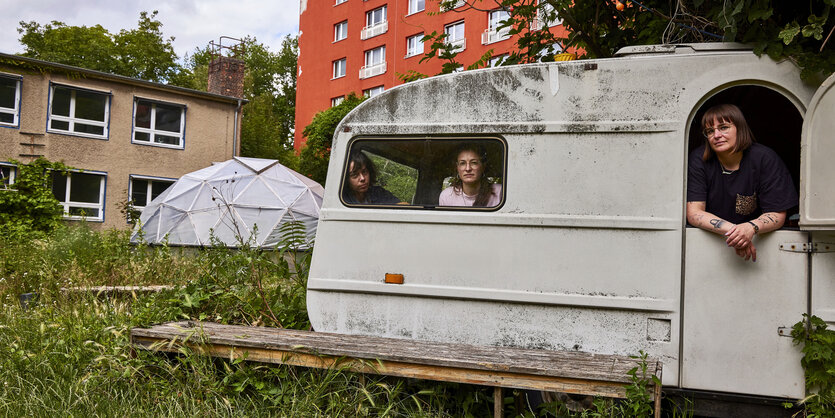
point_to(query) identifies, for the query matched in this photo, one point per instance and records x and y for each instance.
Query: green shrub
(29, 209)
(314, 157)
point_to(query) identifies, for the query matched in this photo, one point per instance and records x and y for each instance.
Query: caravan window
(409, 173)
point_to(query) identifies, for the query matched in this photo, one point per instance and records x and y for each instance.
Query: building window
(80, 193)
(340, 31)
(414, 45)
(158, 124)
(9, 101)
(145, 189)
(79, 112)
(447, 5)
(415, 173)
(547, 16)
(455, 36)
(339, 68)
(372, 91)
(376, 16)
(338, 2)
(336, 101)
(375, 23)
(375, 62)
(497, 60)
(416, 6)
(495, 32)
(7, 175)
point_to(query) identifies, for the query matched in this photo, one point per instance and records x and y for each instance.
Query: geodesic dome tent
(246, 199)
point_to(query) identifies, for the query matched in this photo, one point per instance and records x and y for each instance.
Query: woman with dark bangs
(470, 187)
(360, 179)
(735, 186)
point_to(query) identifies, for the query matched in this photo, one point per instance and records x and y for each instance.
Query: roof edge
(121, 79)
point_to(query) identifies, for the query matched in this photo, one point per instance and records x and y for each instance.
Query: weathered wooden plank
(515, 361)
(117, 289)
(393, 368)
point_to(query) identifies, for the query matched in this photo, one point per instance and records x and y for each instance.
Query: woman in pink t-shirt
(470, 187)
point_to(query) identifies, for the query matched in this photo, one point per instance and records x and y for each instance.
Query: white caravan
(589, 248)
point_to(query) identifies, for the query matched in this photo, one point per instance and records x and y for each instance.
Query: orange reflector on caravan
(394, 278)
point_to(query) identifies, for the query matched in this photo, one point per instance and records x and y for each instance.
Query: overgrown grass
(69, 354)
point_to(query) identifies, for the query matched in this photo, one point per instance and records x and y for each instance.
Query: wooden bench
(499, 367)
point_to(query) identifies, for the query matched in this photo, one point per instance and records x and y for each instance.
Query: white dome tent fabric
(232, 201)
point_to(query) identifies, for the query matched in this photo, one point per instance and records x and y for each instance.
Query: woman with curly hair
(470, 187)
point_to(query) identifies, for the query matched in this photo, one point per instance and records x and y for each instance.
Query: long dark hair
(484, 189)
(728, 113)
(361, 160)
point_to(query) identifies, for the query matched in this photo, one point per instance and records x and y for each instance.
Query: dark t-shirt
(761, 184)
(376, 195)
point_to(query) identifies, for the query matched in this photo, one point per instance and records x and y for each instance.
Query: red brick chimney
(226, 77)
(226, 73)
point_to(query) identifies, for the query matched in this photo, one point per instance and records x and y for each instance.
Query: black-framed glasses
(723, 129)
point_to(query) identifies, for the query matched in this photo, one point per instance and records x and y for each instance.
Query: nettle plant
(818, 363)
(28, 205)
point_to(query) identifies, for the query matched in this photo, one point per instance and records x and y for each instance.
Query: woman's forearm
(769, 221)
(699, 217)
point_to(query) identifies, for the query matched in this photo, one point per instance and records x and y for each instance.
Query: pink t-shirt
(449, 197)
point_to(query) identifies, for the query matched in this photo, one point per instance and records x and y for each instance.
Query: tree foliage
(597, 29)
(29, 205)
(269, 86)
(142, 52)
(269, 117)
(314, 157)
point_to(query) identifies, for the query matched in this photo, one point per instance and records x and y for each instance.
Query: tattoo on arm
(717, 223)
(766, 219)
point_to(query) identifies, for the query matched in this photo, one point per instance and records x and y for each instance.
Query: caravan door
(817, 197)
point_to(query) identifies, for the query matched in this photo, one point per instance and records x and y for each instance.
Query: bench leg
(658, 401)
(498, 401)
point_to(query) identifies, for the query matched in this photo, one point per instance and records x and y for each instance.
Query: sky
(192, 23)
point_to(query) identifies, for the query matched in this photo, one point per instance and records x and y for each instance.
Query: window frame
(462, 40)
(15, 112)
(342, 64)
(336, 101)
(383, 16)
(6, 185)
(340, 28)
(153, 131)
(72, 120)
(67, 203)
(494, 61)
(454, 141)
(459, 3)
(371, 53)
(149, 194)
(411, 52)
(542, 11)
(493, 33)
(416, 3)
(373, 69)
(368, 92)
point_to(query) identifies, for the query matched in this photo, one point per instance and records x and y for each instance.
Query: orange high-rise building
(362, 45)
